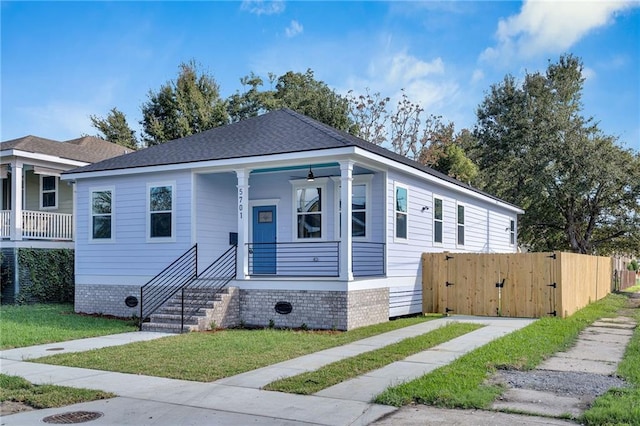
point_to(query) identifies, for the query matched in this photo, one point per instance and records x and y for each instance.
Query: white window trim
(433, 221)
(55, 191)
(397, 239)
(113, 215)
(303, 183)
(463, 224)
(357, 180)
(172, 238)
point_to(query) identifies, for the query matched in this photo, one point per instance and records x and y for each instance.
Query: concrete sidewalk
(144, 400)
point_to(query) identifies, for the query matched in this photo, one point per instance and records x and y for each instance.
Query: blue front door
(264, 240)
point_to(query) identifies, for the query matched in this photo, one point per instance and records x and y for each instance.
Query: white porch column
(243, 223)
(16, 201)
(346, 195)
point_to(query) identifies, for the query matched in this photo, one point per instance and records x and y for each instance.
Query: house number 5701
(240, 201)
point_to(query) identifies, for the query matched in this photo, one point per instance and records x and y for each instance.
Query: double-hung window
(102, 214)
(512, 232)
(401, 207)
(48, 192)
(437, 220)
(359, 206)
(460, 225)
(359, 210)
(161, 204)
(308, 201)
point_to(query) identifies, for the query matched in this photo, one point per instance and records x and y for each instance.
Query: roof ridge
(324, 128)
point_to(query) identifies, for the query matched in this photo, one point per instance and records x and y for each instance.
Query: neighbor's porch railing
(38, 225)
(5, 223)
(313, 259)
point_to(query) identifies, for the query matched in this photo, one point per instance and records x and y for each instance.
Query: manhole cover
(73, 417)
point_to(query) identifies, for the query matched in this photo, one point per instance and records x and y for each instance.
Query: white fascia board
(45, 158)
(226, 165)
(434, 179)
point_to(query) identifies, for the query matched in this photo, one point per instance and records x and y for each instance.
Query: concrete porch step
(166, 327)
(199, 306)
(175, 319)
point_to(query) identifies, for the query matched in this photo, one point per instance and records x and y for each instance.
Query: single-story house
(37, 208)
(324, 229)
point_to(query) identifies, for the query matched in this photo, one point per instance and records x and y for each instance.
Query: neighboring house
(37, 208)
(329, 228)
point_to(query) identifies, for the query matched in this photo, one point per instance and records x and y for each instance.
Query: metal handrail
(314, 259)
(295, 259)
(168, 282)
(208, 283)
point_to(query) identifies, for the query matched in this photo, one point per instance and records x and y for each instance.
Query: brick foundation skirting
(313, 309)
(106, 299)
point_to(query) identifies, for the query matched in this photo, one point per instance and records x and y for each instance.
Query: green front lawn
(28, 325)
(17, 389)
(210, 356)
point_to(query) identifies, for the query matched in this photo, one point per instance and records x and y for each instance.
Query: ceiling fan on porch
(310, 176)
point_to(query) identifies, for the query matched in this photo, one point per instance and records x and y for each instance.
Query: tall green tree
(534, 147)
(188, 105)
(301, 92)
(253, 101)
(114, 128)
(306, 95)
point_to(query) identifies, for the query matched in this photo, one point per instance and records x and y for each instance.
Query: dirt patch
(12, 407)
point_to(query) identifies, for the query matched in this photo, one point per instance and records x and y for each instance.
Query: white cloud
(294, 29)
(550, 27)
(60, 120)
(424, 82)
(262, 7)
(406, 67)
(588, 73)
(478, 75)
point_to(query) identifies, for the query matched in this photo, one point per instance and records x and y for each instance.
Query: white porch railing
(40, 225)
(5, 223)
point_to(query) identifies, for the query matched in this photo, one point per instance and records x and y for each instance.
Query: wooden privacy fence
(625, 279)
(524, 285)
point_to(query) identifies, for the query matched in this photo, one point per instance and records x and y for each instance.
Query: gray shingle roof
(87, 149)
(277, 132)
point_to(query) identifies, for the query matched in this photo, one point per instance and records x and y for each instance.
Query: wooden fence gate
(525, 285)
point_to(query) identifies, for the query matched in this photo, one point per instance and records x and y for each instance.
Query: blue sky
(63, 61)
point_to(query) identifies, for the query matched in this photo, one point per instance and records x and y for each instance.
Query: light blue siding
(216, 214)
(129, 256)
(485, 224)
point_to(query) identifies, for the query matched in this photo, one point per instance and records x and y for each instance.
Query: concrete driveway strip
(238, 400)
(369, 385)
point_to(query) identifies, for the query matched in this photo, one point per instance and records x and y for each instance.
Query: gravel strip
(564, 383)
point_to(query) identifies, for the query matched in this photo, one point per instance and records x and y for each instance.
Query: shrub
(46, 275)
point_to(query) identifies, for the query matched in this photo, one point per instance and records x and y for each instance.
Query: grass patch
(17, 389)
(334, 373)
(210, 356)
(621, 406)
(461, 383)
(27, 325)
